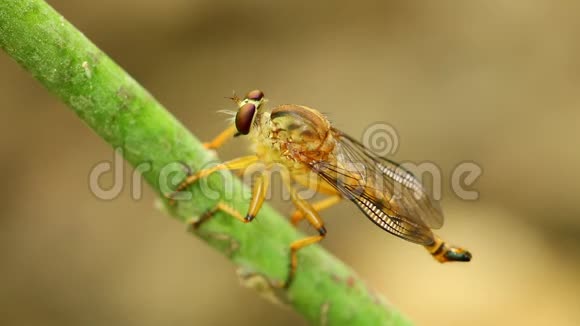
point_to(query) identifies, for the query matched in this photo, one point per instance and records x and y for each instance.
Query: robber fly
(319, 156)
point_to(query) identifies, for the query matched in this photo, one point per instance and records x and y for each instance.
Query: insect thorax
(298, 134)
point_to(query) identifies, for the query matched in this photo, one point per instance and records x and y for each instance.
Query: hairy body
(317, 156)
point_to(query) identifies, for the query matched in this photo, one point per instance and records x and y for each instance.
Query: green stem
(126, 116)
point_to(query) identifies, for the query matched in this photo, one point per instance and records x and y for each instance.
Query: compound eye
(244, 118)
(255, 95)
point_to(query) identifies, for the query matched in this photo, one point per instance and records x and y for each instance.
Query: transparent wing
(388, 194)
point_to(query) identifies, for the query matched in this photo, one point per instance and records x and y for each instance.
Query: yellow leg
(220, 207)
(297, 245)
(259, 190)
(318, 206)
(238, 163)
(444, 252)
(311, 215)
(222, 138)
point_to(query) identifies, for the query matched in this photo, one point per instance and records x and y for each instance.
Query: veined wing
(388, 194)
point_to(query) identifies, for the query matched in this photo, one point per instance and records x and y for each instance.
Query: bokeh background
(493, 82)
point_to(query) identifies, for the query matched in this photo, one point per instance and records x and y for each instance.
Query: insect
(319, 156)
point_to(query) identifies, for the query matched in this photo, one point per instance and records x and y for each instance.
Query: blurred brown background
(494, 82)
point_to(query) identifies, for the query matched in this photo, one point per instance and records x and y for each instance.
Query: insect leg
(259, 190)
(297, 245)
(220, 207)
(237, 163)
(314, 219)
(444, 252)
(317, 206)
(222, 138)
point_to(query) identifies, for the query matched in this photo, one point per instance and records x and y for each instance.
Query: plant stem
(126, 116)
